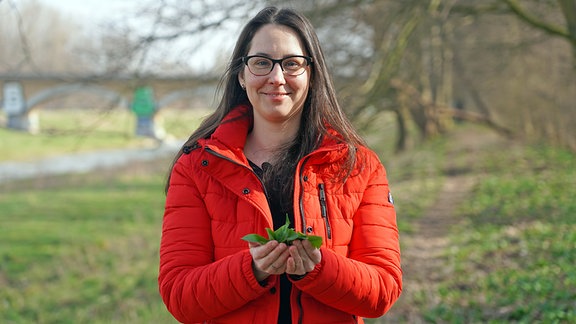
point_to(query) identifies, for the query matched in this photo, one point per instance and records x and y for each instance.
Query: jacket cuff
(256, 285)
(296, 277)
(311, 277)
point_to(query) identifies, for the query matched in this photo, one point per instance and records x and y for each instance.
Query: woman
(278, 146)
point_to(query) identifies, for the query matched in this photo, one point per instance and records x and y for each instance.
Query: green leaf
(281, 234)
(301, 236)
(284, 234)
(271, 234)
(292, 235)
(316, 241)
(255, 238)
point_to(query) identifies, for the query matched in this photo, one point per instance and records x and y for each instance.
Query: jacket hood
(229, 137)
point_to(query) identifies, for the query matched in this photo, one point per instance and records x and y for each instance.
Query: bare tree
(568, 10)
(40, 38)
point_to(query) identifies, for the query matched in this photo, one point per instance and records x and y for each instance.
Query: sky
(94, 13)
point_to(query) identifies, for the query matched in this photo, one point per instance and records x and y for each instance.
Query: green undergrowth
(512, 258)
(415, 178)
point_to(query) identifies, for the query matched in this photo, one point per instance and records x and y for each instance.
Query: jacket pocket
(324, 209)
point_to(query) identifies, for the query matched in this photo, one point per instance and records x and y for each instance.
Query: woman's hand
(303, 258)
(268, 259)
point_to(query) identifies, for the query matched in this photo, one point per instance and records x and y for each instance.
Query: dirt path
(423, 253)
(424, 260)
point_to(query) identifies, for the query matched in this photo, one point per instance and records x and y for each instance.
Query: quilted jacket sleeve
(192, 284)
(369, 280)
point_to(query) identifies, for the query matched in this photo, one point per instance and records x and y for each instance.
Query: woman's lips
(276, 95)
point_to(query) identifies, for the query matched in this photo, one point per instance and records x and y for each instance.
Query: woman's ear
(241, 80)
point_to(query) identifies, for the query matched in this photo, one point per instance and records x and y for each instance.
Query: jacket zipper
(324, 209)
(301, 194)
(209, 150)
(303, 218)
(301, 311)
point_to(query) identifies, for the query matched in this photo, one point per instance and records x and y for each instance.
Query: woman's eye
(292, 64)
(262, 63)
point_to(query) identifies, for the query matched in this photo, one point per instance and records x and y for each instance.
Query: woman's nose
(276, 75)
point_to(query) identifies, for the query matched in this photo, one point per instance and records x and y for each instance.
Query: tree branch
(528, 18)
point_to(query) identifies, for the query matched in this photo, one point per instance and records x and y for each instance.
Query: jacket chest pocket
(330, 216)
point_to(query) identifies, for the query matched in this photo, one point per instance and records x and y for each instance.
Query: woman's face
(276, 97)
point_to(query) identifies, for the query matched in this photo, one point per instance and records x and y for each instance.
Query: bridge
(144, 95)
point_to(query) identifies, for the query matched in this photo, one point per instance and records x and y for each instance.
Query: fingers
(295, 264)
(270, 257)
(278, 258)
(313, 253)
(259, 251)
(303, 258)
(276, 269)
(275, 261)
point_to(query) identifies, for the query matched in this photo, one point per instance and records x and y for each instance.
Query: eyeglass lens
(261, 65)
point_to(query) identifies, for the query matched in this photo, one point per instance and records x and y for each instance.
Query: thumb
(253, 244)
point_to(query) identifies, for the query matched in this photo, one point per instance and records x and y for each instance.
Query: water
(84, 162)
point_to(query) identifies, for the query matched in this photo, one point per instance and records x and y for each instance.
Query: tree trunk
(402, 130)
(569, 11)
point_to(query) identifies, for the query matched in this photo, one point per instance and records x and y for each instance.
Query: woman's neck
(264, 142)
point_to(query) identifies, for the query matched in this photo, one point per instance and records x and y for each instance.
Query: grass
(73, 254)
(65, 131)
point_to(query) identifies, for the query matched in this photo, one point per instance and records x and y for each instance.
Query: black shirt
(279, 218)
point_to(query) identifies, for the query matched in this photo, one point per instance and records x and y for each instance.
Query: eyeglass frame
(309, 61)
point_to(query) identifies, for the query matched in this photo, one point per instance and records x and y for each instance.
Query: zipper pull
(324, 209)
(322, 200)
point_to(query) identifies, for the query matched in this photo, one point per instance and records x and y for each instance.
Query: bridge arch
(205, 94)
(47, 94)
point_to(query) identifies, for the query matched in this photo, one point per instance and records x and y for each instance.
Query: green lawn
(82, 254)
(66, 131)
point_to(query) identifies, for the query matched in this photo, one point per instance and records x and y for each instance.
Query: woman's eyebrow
(270, 56)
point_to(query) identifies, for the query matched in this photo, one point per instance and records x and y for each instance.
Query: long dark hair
(321, 108)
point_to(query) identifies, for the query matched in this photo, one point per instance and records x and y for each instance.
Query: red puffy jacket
(215, 198)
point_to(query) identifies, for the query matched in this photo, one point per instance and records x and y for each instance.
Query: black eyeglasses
(291, 65)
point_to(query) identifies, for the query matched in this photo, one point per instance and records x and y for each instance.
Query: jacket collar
(229, 138)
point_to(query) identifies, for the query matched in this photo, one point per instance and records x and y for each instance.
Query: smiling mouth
(276, 94)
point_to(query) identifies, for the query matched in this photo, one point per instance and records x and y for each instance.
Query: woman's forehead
(276, 39)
